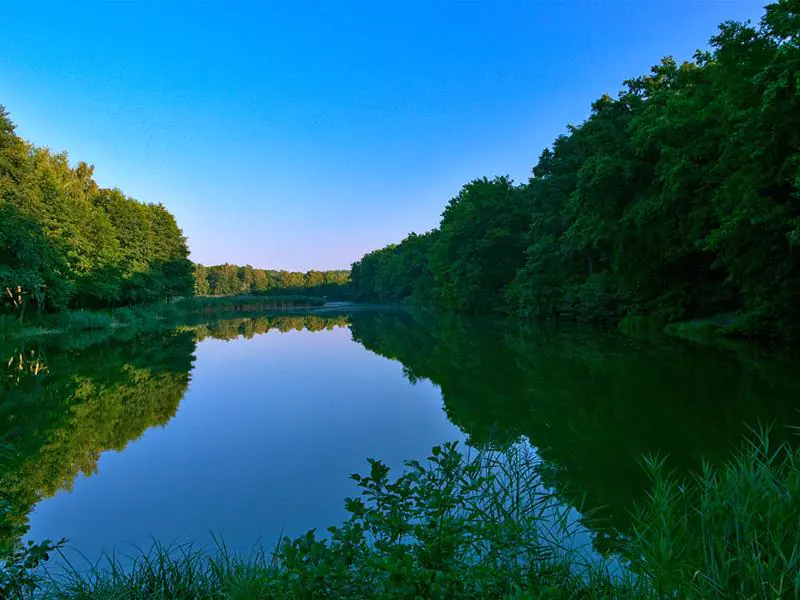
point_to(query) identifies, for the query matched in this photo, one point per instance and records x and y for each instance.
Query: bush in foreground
(482, 526)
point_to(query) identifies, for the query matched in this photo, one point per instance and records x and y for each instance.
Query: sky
(300, 135)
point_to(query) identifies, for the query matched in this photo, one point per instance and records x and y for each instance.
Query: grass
(732, 532)
(482, 526)
(151, 317)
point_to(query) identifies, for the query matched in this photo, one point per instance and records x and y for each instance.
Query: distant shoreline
(130, 321)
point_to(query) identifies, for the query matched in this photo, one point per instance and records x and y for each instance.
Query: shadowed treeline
(675, 200)
(593, 403)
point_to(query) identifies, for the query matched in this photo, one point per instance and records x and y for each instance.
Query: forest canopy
(227, 280)
(676, 199)
(65, 242)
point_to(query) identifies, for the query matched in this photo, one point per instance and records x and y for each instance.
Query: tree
(678, 199)
(90, 247)
(201, 287)
(480, 244)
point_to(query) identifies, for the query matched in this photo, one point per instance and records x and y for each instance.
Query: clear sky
(300, 135)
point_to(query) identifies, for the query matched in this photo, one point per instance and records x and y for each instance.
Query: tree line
(677, 199)
(66, 242)
(227, 280)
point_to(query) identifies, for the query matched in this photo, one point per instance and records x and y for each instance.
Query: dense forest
(65, 242)
(226, 280)
(677, 199)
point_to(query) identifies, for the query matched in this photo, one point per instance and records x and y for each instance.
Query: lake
(249, 428)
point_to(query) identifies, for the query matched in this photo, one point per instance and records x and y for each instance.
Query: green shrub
(732, 532)
(482, 526)
(453, 527)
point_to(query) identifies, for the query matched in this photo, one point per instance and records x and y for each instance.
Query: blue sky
(300, 135)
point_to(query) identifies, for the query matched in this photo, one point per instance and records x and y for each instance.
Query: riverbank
(82, 329)
(150, 317)
(480, 526)
(723, 331)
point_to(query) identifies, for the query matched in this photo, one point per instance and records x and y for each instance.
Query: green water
(248, 428)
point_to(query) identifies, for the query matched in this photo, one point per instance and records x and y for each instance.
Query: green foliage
(729, 532)
(483, 527)
(398, 273)
(90, 247)
(452, 527)
(20, 574)
(27, 259)
(679, 199)
(230, 280)
(465, 264)
(480, 244)
(129, 321)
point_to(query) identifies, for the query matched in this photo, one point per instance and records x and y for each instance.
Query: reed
(482, 525)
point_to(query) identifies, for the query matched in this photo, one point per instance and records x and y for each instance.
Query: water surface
(249, 428)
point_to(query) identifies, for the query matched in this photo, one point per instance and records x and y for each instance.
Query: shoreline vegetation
(233, 280)
(677, 201)
(152, 317)
(719, 533)
(84, 328)
(127, 322)
(675, 206)
(480, 525)
(76, 256)
(132, 321)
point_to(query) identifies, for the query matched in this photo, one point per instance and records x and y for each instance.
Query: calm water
(249, 428)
